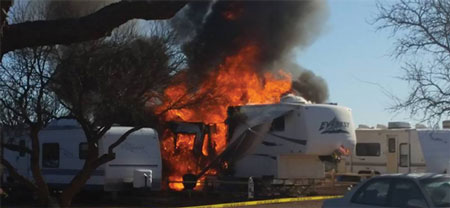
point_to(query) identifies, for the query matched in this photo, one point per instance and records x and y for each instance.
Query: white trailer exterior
(435, 145)
(386, 151)
(288, 138)
(63, 150)
(401, 150)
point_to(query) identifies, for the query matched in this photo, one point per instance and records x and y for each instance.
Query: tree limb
(17, 148)
(90, 27)
(91, 164)
(13, 172)
(122, 138)
(4, 8)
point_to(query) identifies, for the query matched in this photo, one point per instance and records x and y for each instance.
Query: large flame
(236, 82)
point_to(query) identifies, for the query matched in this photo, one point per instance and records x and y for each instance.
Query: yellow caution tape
(269, 201)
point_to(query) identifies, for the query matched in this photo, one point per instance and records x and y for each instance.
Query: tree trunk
(81, 178)
(91, 164)
(13, 173)
(53, 202)
(43, 191)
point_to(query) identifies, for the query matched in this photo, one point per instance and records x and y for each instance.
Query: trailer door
(403, 153)
(403, 158)
(391, 155)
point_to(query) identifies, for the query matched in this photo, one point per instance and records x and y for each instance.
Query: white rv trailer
(64, 149)
(398, 149)
(285, 140)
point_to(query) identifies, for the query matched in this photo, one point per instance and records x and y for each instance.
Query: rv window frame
(45, 147)
(366, 155)
(278, 124)
(83, 156)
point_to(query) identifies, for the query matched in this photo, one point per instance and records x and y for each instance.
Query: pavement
(304, 202)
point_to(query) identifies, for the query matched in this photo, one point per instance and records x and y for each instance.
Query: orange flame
(236, 82)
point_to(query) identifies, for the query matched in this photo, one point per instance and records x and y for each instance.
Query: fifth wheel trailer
(287, 140)
(398, 149)
(64, 150)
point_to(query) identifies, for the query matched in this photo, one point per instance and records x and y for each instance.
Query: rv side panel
(369, 153)
(61, 160)
(140, 151)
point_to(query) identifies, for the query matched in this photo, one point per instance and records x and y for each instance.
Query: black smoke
(210, 31)
(214, 30)
(311, 87)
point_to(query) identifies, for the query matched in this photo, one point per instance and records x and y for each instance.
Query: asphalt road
(304, 204)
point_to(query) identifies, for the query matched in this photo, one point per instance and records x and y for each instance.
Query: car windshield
(439, 190)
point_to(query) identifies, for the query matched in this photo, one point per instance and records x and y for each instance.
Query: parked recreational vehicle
(398, 149)
(64, 149)
(288, 139)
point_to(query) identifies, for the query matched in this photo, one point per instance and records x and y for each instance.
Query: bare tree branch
(90, 27)
(4, 8)
(122, 138)
(13, 172)
(422, 31)
(17, 148)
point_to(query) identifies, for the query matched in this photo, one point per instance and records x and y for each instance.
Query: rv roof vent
(446, 124)
(399, 125)
(290, 98)
(363, 126)
(420, 126)
(381, 126)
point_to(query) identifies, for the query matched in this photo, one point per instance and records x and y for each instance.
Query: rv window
(404, 155)
(391, 145)
(50, 155)
(368, 149)
(278, 124)
(22, 148)
(83, 150)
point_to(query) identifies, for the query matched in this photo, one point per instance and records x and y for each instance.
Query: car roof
(418, 176)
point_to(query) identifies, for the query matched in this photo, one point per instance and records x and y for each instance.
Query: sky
(356, 62)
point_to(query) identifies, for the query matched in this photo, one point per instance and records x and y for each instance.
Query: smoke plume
(311, 87)
(210, 31)
(214, 30)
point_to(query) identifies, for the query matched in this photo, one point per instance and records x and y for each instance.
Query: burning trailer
(286, 140)
(240, 53)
